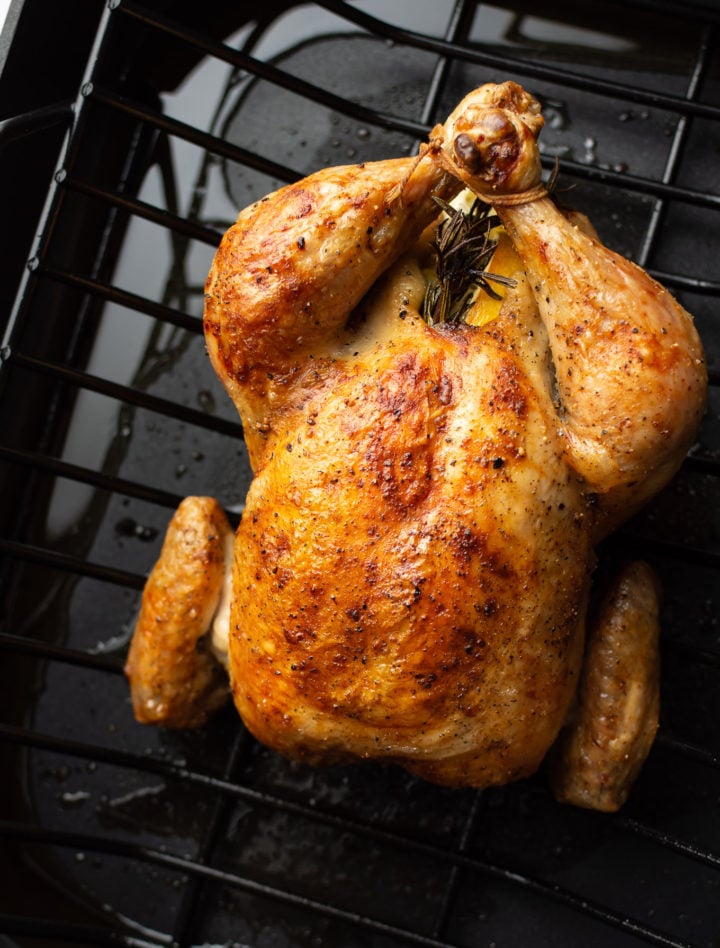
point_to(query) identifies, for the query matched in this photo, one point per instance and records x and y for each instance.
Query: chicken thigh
(411, 573)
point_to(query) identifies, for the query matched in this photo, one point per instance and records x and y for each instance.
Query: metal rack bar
(45, 651)
(185, 920)
(20, 126)
(172, 770)
(113, 294)
(682, 282)
(211, 143)
(218, 146)
(687, 749)
(42, 556)
(172, 222)
(200, 870)
(128, 395)
(679, 141)
(185, 865)
(671, 550)
(615, 90)
(263, 70)
(639, 185)
(688, 850)
(111, 483)
(463, 847)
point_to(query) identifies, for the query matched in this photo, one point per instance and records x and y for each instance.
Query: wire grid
(223, 773)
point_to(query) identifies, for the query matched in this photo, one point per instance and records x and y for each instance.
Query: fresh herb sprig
(463, 247)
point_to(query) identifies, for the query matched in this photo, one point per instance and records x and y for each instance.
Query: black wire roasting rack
(130, 135)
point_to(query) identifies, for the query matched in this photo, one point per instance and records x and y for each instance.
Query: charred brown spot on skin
(396, 424)
(495, 149)
(473, 645)
(273, 548)
(471, 546)
(298, 635)
(466, 544)
(405, 481)
(460, 336)
(508, 392)
(304, 201)
(502, 137)
(403, 388)
(467, 153)
(503, 156)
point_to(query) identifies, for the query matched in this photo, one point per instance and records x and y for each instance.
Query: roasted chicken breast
(412, 569)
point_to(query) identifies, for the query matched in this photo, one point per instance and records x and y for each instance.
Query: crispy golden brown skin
(393, 598)
(412, 567)
(174, 678)
(609, 734)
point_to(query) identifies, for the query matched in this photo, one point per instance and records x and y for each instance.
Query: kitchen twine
(512, 200)
(434, 145)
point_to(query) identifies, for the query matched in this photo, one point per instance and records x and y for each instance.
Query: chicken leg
(628, 363)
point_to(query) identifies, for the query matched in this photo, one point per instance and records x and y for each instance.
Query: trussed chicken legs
(412, 568)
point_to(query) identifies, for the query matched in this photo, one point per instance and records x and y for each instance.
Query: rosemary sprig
(463, 248)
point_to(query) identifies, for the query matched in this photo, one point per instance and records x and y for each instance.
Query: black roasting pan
(130, 135)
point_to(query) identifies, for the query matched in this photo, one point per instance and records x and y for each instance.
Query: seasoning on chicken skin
(174, 677)
(412, 568)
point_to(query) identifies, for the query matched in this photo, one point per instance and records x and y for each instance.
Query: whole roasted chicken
(411, 575)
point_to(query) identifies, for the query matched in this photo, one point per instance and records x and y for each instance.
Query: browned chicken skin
(176, 680)
(412, 568)
(608, 736)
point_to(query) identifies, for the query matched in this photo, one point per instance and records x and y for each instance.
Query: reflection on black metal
(70, 589)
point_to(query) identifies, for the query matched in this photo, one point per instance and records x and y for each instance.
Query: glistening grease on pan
(121, 175)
